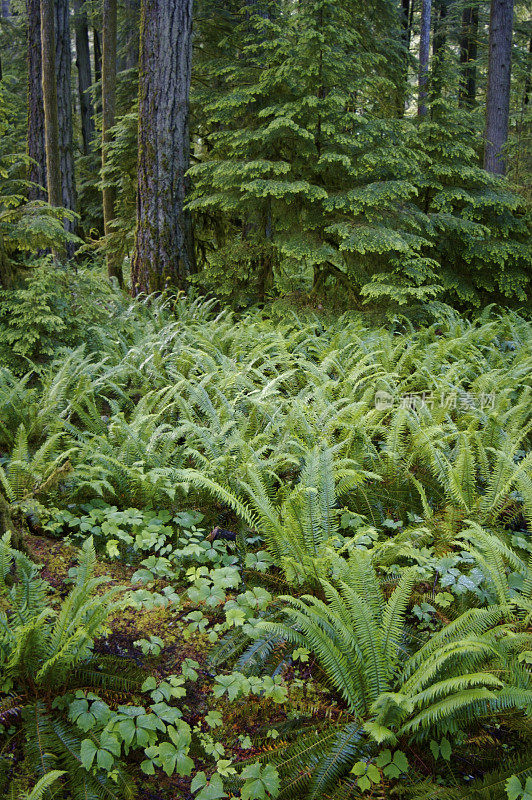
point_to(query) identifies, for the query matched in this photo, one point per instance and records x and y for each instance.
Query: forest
(265, 400)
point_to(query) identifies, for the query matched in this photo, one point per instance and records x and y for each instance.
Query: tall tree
(128, 34)
(97, 47)
(63, 64)
(498, 93)
(49, 91)
(36, 146)
(468, 56)
(114, 269)
(439, 40)
(164, 248)
(406, 34)
(424, 50)
(83, 64)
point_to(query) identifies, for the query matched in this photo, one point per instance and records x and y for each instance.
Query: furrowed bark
(164, 250)
(114, 268)
(36, 144)
(498, 94)
(424, 49)
(83, 64)
(49, 91)
(63, 63)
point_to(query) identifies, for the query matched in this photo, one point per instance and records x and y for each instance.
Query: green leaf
(198, 781)
(446, 749)
(87, 752)
(213, 790)
(384, 758)
(400, 760)
(513, 788)
(149, 684)
(105, 760)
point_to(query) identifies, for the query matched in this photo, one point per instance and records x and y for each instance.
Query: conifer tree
(114, 269)
(36, 146)
(164, 250)
(498, 92)
(63, 63)
(424, 50)
(84, 75)
(303, 176)
(49, 87)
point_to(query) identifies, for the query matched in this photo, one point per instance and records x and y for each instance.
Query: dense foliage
(378, 480)
(265, 528)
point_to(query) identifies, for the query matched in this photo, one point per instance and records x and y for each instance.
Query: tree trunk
(164, 248)
(97, 49)
(424, 49)
(83, 63)
(63, 63)
(97, 55)
(468, 55)
(36, 145)
(498, 94)
(49, 91)
(114, 268)
(402, 89)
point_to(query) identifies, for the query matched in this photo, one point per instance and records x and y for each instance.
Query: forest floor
(246, 718)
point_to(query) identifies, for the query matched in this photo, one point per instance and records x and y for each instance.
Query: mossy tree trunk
(164, 248)
(36, 145)
(49, 91)
(83, 63)
(63, 65)
(114, 268)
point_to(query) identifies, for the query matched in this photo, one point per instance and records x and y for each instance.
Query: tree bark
(498, 94)
(424, 49)
(36, 145)
(402, 90)
(49, 91)
(97, 55)
(83, 64)
(63, 64)
(114, 268)
(164, 248)
(468, 55)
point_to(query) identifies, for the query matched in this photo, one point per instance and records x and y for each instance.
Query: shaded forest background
(322, 149)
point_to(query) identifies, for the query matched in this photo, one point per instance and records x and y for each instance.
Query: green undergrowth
(365, 631)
